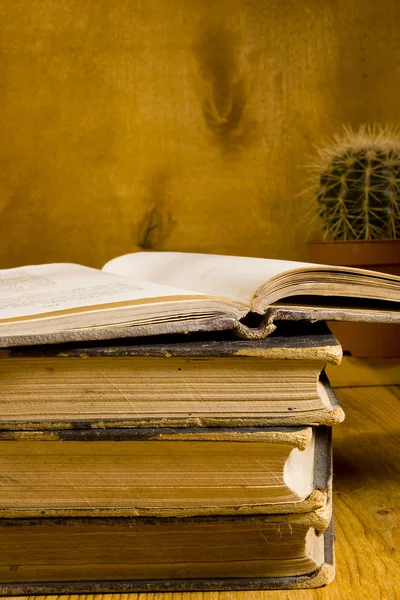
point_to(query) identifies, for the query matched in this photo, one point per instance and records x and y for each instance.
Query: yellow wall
(178, 124)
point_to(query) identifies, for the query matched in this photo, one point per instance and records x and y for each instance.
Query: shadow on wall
(156, 225)
(224, 89)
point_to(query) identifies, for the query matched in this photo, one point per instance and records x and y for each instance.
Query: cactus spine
(358, 197)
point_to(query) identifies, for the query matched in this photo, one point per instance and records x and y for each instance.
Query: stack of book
(172, 462)
(168, 464)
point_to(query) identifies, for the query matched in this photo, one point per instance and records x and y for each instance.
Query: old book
(172, 382)
(150, 293)
(164, 472)
(70, 556)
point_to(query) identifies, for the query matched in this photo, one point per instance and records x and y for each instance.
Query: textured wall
(178, 124)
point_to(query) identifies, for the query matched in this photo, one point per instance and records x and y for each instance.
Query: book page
(38, 289)
(235, 278)
(255, 282)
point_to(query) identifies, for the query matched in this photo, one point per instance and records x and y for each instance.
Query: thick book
(164, 472)
(149, 293)
(94, 555)
(188, 381)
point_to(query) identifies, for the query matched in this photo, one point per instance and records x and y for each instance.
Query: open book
(150, 293)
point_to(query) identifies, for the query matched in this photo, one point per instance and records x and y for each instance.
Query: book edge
(318, 578)
(317, 503)
(221, 323)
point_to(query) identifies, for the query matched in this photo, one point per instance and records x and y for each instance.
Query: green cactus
(358, 197)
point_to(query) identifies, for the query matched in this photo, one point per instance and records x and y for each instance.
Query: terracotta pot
(363, 339)
(378, 255)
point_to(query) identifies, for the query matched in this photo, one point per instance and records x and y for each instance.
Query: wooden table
(366, 496)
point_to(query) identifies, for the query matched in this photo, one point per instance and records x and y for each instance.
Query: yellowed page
(44, 289)
(255, 282)
(235, 278)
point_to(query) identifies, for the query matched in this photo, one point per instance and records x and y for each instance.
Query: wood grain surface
(366, 501)
(179, 124)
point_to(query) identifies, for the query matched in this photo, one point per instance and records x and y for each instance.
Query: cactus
(358, 197)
